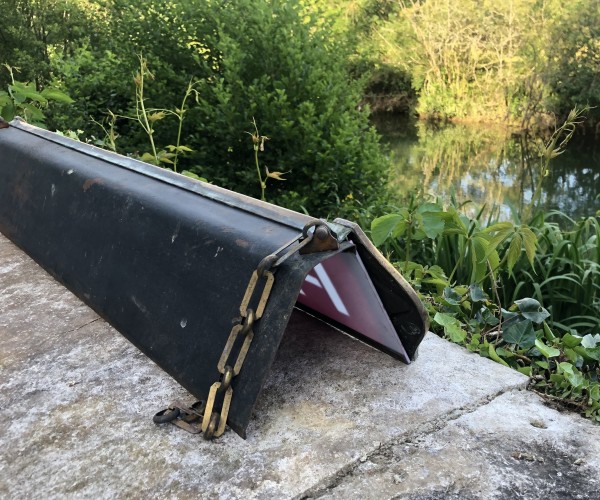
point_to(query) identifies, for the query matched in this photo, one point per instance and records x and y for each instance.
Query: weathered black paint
(166, 259)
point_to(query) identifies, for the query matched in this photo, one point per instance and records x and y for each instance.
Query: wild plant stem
(144, 114)
(407, 249)
(495, 289)
(180, 117)
(262, 184)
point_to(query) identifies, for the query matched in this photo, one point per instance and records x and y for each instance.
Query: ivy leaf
(590, 341)
(451, 296)
(452, 327)
(571, 340)
(486, 316)
(547, 351)
(494, 355)
(531, 309)
(525, 370)
(572, 374)
(476, 293)
(520, 334)
(548, 332)
(593, 353)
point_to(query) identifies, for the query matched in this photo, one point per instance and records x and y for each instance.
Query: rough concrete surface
(336, 419)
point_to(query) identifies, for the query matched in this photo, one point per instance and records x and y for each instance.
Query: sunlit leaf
(275, 175)
(192, 175)
(514, 252)
(494, 355)
(572, 374)
(571, 340)
(547, 351)
(56, 95)
(158, 115)
(530, 241)
(382, 227)
(590, 341)
(452, 327)
(433, 224)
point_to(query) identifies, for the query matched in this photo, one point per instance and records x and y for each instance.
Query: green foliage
(269, 61)
(272, 60)
(258, 143)
(477, 60)
(466, 274)
(477, 56)
(575, 61)
(566, 272)
(25, 100)
(34, 32)
(147, 118)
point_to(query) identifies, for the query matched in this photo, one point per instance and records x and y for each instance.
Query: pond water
(488, 166)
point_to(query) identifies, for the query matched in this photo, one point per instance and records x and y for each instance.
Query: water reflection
(488, 166)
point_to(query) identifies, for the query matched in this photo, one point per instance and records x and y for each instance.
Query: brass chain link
(213, 423)
(201, 416)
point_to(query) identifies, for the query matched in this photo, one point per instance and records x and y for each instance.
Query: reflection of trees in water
(574, 183)
(489, 166)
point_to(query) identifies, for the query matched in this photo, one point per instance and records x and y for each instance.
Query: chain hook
(265, 265)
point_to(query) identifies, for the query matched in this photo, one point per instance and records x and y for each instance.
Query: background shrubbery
(274, 61)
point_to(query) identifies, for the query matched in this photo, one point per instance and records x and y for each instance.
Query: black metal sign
(201, 279)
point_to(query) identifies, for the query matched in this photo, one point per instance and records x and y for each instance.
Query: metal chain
(213, 422)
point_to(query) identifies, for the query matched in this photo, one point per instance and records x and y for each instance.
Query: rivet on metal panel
(322, 240)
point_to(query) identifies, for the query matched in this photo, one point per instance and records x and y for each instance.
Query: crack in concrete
(81, 326)
(328, 485)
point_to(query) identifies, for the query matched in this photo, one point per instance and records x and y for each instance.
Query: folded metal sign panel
(167, 261)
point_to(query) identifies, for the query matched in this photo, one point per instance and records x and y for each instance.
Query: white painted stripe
(312, 280)
(331, 291)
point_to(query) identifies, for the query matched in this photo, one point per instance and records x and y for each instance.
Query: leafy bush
(271, 63)
(478, 282)
(25, 100)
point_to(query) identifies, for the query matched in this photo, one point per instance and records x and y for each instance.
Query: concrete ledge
(76, 401)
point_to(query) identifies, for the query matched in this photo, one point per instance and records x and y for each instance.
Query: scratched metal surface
(165, 259)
